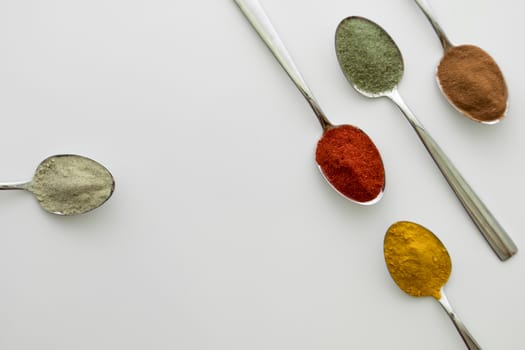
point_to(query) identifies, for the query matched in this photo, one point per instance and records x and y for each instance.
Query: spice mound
(473, 82)
(351, 163)
(70, 184)
(368, 56)
(416, 259)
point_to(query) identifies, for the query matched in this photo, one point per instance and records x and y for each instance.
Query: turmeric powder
(416, 259)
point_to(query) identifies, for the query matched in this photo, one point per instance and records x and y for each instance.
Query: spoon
(358, 179)
(483, 98)
(68, 184)
(420, 265)
(373, 64)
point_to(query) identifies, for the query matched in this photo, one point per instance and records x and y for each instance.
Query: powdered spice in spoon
(472, 80)
(368, 57)
(416, 259)
(71, 184)
(346, 156)
(351, 163)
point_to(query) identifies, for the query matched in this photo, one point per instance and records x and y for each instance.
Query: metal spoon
(496, 91)
(257, 17)
(407, 247)
(68, 184)
(495, 235)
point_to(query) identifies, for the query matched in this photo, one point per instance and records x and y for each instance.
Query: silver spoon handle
(14, 186)
(256, 15)
(495, 235)
(469, 340)
(445, 42)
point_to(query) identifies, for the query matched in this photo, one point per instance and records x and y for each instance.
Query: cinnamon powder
(473, 82)
(351, 163)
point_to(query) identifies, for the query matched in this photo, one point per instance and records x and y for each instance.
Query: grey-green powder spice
(368, 56)
(71, 184)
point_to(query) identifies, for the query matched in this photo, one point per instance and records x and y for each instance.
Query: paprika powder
(351, 163)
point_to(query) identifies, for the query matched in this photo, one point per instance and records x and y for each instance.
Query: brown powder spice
(473, 82)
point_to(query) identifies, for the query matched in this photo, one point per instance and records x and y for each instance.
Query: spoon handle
(469, 340)
(423, 5)
(489, 227)
(14, 186)
(257, 17)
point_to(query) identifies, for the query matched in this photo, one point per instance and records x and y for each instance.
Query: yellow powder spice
(416, 259)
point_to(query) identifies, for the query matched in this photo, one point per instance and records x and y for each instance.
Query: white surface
(221, 233)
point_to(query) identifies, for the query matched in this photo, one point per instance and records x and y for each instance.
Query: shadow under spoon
(373, 64)
(357, 158)
(68, 184)
(469, 77)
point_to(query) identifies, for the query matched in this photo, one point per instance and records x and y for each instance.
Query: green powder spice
(70, 184)
(368, 56)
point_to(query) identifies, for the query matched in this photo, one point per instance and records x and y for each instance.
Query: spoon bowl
(355, 175)
(420, 265)
(68, 184)
(373, 70)
(469, 78)
(483, 99)
(373, 64)
(346, 156)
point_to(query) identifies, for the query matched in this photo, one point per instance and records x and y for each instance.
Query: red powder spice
(351, 162)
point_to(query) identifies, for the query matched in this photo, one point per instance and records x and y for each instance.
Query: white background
(222, 234)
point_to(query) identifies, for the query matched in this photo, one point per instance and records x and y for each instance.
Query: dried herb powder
(351, 162)
(368, 56)
(71, 184)
(416, 259)
(473, 82)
